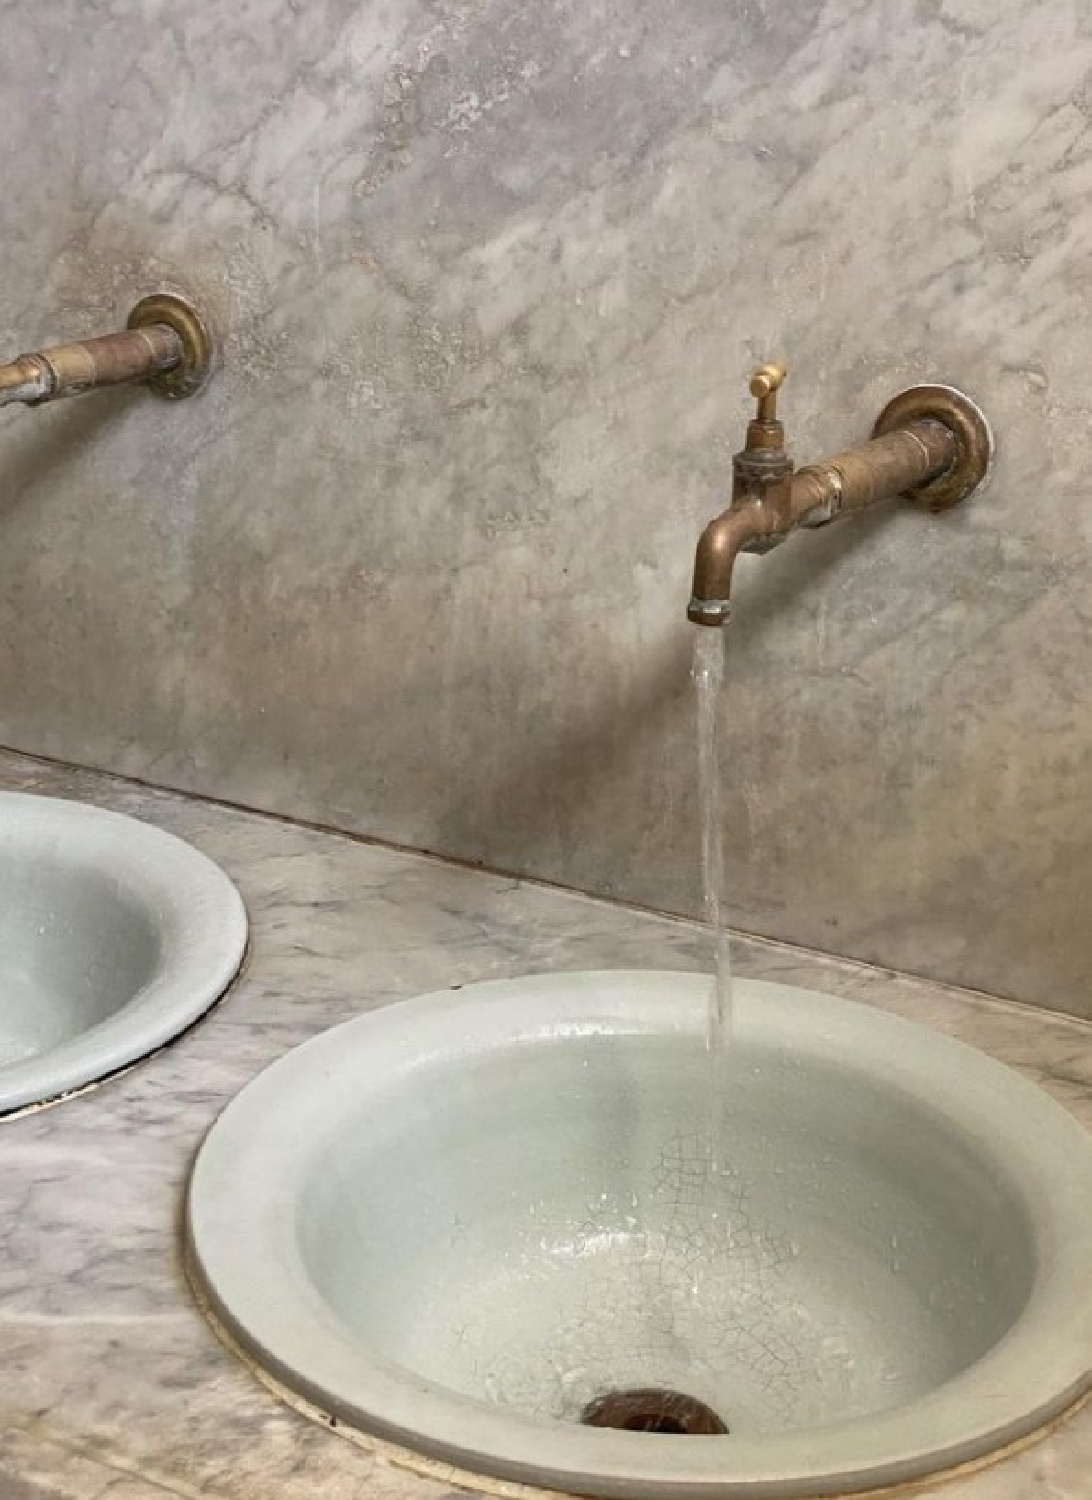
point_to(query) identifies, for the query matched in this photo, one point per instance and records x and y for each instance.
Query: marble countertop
(112, 1387)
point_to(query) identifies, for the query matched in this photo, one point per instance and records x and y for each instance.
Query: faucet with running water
(931, 444)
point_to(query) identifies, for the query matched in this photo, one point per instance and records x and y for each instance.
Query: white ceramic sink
(114, 937)
(457, 1222)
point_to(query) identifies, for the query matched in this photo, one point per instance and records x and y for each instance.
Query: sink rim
(294, 1335)
(193, 907)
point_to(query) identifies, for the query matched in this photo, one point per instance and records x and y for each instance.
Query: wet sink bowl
(114, 937)
(465, 1222)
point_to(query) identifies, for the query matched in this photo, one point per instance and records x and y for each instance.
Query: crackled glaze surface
(490, 279)
(114, 1388)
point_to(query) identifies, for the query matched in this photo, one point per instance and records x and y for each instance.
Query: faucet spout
(726, 536)
(24, 379)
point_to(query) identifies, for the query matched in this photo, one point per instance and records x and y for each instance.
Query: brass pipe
(886, 466)
(933, 446)
(72, 369)
(165, 344)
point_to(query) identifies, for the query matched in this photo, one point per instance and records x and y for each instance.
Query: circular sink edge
(340, 1383)
(192, 906)
(478, 1481)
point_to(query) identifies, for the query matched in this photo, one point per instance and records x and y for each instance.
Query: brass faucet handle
(766, 380)
(765, 384)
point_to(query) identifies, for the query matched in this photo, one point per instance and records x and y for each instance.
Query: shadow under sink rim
(196, 925)
(243, 1252)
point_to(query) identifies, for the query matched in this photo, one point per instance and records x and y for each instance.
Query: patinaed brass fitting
(166, 345)
(931, 444)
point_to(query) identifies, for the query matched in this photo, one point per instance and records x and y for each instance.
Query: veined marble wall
(490, 278)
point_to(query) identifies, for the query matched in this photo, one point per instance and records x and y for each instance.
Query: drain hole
(651, 1409)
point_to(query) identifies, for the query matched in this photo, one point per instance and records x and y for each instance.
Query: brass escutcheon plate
(968, 425)
(188, 377)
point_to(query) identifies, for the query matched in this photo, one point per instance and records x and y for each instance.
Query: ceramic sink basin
(114, 937)
(460, 1222)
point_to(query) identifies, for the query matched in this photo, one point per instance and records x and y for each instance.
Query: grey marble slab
(490, 279)
(111, 1385)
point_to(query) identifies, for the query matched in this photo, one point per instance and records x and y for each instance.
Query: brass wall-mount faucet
(930, 444)
(166, 343)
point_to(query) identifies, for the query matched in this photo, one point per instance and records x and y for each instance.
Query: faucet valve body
(931, 444)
